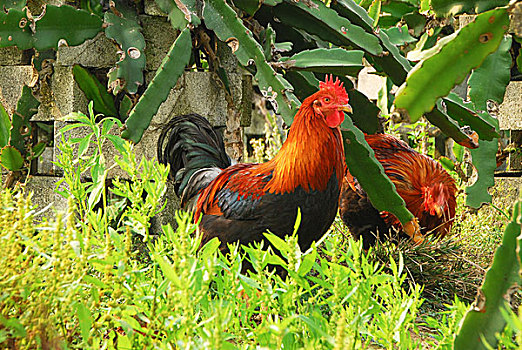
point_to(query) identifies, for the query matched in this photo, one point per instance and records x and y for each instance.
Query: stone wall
(195, 92)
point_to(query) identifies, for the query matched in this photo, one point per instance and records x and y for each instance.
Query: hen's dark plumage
(428, 190)
(240, 202)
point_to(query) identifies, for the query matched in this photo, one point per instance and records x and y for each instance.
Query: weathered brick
(12, 79)
(67, 96)
(159, 36)
(510, 110)
(195, 92)
(152, 9)
(99, 52)
(44, 196)
(12, 56)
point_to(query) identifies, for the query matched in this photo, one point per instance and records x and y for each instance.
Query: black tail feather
(188, 143)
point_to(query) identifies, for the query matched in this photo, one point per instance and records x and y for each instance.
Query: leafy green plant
(485, 318)
(16, 148)
(49, 30)
(98, 293)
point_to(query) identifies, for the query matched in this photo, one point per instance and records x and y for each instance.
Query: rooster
(238, 203)
(428, 190)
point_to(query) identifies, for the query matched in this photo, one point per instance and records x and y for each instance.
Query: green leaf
(365, 113)
(95, 281)
(307, 263)
(11, 158)
(97, 191)
(448, 163)
(5, 126)
(14, 325)
(489, 81)
(399, 36)
(176, 16)
(118, 143)
(15, 29)
(326, 24)
(449, 127)
(21, 129)
(167, 269)
(127, 33)
(484, 320)
(85, 320)
(94, 91)
(249, 6)
(65, 23)
(165, 79)
(458, 151)
(269, 42)
(304, 83)
(125, 107)
(415, 21)
(278, 243)
(394, 64)
(222, 19)
(16, 4)
(398, 9)
(447, 8)
(335, 61)
(362, 164)
(435, 76)
(37, 150)
(464, 114)
(355, 13)
(374, 11)
(209, 248)
(483, 159)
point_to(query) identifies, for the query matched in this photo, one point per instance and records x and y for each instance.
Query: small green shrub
(76, 282)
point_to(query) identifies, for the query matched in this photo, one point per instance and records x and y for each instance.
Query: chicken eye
(326, 99)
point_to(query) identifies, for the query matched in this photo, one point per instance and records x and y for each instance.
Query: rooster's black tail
(195, 152)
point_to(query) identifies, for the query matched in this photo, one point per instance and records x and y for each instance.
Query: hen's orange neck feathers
(314, 148)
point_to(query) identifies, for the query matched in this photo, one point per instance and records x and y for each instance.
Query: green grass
(80, 281)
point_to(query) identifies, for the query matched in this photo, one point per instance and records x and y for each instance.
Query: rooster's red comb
(336, 86)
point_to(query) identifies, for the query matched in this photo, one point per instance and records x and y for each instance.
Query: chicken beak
(346, 108)
(438, 210)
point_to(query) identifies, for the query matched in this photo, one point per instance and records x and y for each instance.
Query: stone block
(159, 36)
(98, 52)
(47, 201)
(36, 6)
(12, 79)
(63, 98)
(510, 111)
(464, 20)
(44, 163)
(369, 84)
(12, 56)
(506, 191)
(195, 92)
(152, 9)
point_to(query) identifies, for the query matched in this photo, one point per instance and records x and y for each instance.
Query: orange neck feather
(309, 156)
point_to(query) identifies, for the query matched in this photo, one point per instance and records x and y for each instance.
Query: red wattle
(335, 119)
